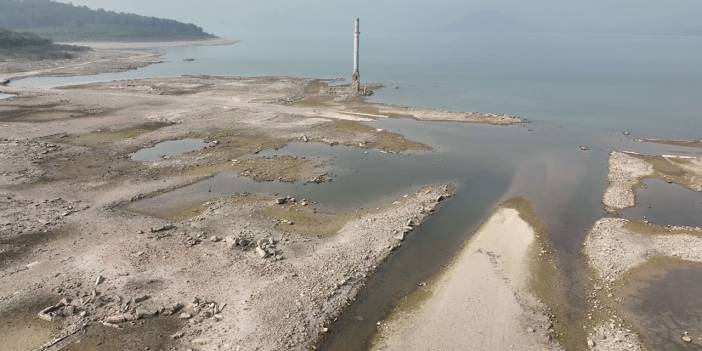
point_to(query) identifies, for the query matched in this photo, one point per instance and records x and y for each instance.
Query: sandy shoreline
(484, 293)
(134, 45)
(106, 57)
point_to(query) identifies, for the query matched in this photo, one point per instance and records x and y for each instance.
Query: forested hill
(29, 46)
(66, 22)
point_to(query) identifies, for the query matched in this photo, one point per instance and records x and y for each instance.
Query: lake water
(607, 82)
(575, 90)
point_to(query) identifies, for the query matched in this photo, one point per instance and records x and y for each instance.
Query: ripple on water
(167, 148)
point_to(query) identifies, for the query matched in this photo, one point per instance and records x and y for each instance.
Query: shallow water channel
(488, 164)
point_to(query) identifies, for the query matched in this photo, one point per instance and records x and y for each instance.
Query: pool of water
(665, 301)
(680, 206)
(5, 96)
(166, 149)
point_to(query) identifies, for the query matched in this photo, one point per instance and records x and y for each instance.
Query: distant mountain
(486, 21)
(66, 22)
(29, 46)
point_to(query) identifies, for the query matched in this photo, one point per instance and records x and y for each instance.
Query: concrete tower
(356, 78)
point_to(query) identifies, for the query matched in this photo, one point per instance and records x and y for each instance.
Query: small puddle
(664, 204)
(167, 148)
(664, 300)
(5, 96)
(21, 329)
(150, 334)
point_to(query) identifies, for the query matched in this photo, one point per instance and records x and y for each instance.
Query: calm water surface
(674, 283)
(167, 148)
(575, 90)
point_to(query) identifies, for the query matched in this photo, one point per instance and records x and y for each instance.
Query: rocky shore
(627, 170)
(616, 246)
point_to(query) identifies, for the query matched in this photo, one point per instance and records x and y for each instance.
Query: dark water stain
(21, 329)
(663, 299)
(13, 249)
(150, 334)
(167, 148)
(664, 204)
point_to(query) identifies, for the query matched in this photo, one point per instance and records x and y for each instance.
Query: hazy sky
(233, 18)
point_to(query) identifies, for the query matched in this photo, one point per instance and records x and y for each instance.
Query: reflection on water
(5, 96)
(664, 204)
(665, 300)
(167, 148)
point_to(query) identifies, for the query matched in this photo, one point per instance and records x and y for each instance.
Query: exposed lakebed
(486, 163)
(541, 162)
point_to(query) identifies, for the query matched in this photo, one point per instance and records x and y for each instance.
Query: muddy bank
(628, 169)
(502, 312)
(614, 246)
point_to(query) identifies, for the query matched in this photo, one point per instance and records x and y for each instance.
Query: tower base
(356, 84)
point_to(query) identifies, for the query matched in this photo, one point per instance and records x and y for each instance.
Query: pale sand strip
(123, 45)
(481, 302)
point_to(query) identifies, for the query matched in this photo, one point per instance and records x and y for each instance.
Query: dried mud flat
(247, 271)
(488, 291)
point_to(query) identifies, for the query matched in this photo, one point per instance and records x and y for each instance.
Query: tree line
(63, 22)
